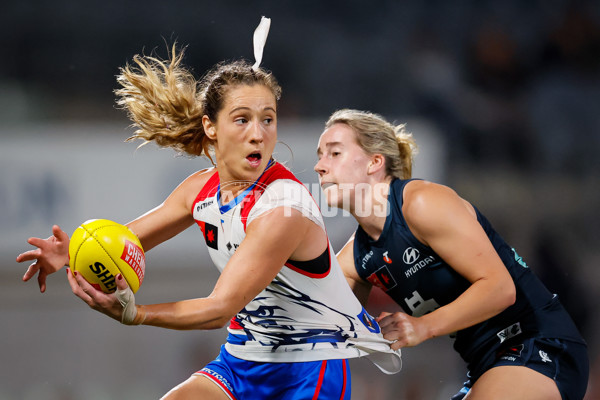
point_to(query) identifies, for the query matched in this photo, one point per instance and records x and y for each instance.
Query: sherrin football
(100, 249)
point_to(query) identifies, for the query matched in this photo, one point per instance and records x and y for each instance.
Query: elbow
(222, 322)
(512, 297)
(217, 322)
(223, 313)
(212, 317)
(508, 296)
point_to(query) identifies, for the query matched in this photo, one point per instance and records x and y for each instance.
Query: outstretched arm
(439, 218)
(152, 228)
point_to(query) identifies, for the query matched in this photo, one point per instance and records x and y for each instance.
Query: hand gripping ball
(100, 249)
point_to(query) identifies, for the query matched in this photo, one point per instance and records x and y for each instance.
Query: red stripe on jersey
(208, 190)
(233, 324)
(345, 377)
(306, 273)
(320, 382)
(277, 171)
(315, 264)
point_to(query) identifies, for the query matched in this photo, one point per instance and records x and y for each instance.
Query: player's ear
(376, 164)
(209, 128)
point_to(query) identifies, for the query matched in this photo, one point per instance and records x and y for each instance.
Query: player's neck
(373, 209)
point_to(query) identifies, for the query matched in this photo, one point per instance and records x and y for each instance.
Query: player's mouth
(326, 185)
(254, 159)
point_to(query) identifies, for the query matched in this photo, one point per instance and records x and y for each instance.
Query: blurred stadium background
(502, 96)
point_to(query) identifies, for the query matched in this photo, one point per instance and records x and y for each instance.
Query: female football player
(441, 260)
(292, 319)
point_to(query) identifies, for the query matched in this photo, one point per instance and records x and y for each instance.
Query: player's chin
(333, 198)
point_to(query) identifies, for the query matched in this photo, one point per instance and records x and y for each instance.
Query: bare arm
(345, 258)
(171, 217)
(439, 218)
(154, 227)
(270, 240)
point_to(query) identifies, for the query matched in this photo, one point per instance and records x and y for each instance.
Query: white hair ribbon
(259, 40)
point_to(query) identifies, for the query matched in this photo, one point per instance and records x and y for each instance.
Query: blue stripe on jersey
(226, 207)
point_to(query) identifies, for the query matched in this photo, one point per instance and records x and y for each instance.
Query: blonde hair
(375, 135)
(166, 103)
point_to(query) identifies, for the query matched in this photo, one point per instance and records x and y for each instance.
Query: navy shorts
(249, 380)
(562, 360)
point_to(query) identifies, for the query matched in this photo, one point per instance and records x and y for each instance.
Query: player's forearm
(204, 313)
(483, 300)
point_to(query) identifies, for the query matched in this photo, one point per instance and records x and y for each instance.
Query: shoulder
(195, 184)
(199, 179)
(420, 195)
(202, 176)
(427, 205)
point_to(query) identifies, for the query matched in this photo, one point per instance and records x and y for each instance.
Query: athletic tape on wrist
(127, 300)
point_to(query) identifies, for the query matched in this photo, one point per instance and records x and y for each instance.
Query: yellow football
(100, 249)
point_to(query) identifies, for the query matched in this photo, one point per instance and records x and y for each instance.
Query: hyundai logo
(410, 255)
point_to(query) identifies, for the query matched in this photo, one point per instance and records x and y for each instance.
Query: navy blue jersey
(420, 281)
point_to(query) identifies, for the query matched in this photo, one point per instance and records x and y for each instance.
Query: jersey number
(419, 306)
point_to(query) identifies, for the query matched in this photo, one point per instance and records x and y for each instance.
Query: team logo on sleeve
(210, 235)
(382, 279)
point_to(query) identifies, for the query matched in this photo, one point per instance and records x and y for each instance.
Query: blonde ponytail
(407, 149)
(163, 102)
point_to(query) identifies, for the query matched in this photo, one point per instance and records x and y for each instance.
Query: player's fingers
(397, 345)
(28, 255)
(121, 282)
(385, 321)
(31, 271)
(98, 299)
(59, 233)
(382, 315)
(76, 289)
(395, 334)
(42, 280)
(86, 287)
(37, 242)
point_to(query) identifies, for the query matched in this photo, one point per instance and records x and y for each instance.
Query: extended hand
(50, 256)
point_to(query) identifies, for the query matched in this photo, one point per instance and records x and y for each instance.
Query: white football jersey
(308, 312)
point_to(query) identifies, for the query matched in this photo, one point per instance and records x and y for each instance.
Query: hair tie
(259, 40)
